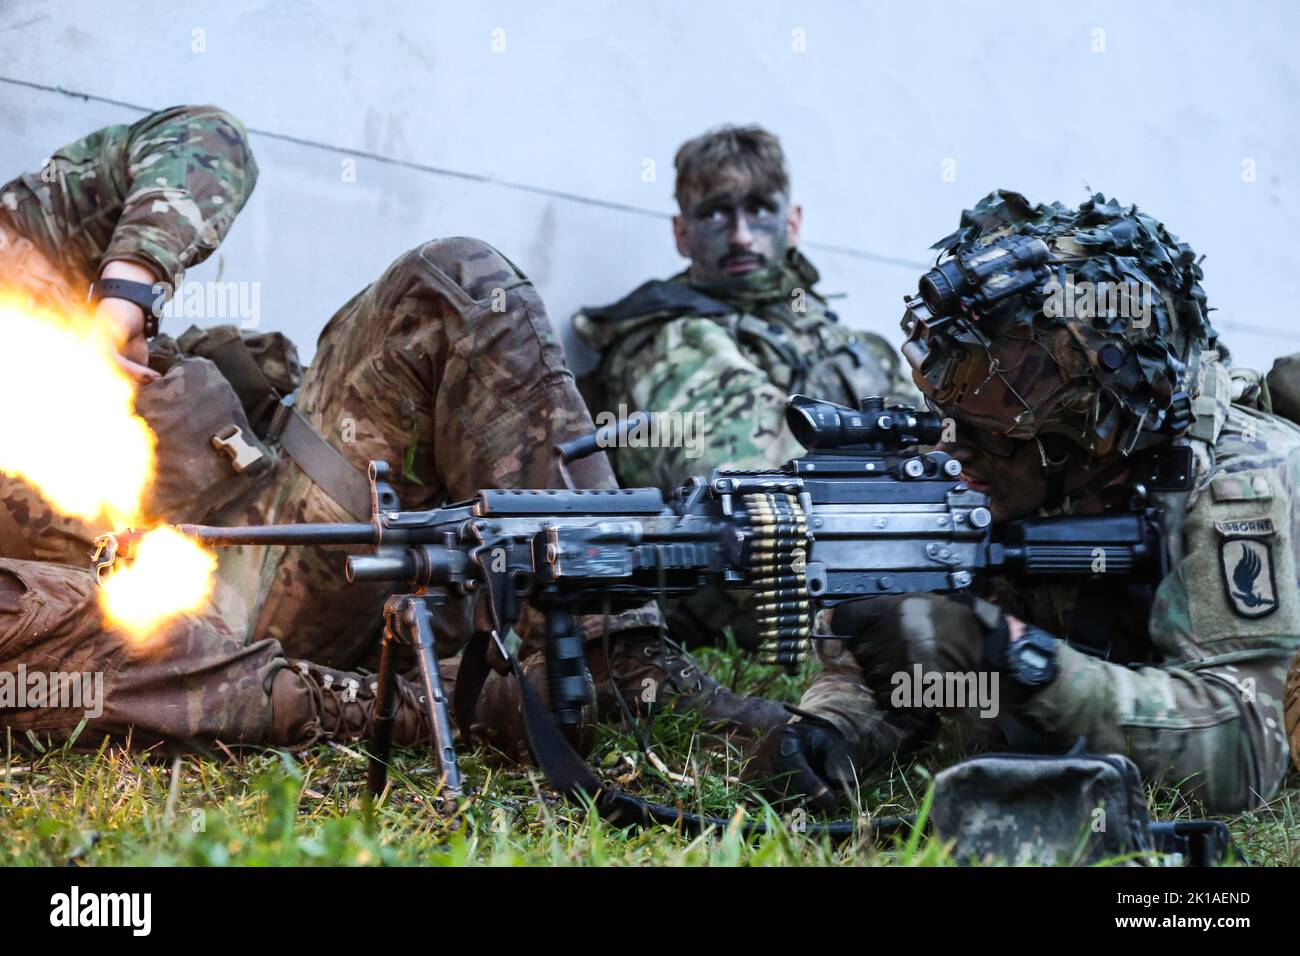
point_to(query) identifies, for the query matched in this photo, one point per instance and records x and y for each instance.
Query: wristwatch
(1031, 661)
(143, 294)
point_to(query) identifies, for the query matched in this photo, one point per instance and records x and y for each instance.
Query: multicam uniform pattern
(732, 361)
(446, 367)
(1200, 706)
(162, 193)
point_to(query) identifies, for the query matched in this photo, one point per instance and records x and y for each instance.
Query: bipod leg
(418, 623)
(381, 739)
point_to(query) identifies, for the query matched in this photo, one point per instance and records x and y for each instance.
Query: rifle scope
(873, 426)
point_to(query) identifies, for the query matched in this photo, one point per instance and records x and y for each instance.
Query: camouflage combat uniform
(1208, 713)
(446, 367)
(161, 193)
(1188, 680)
(727, 359)
(730, 357)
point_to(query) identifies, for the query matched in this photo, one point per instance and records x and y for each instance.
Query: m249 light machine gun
(863, 514)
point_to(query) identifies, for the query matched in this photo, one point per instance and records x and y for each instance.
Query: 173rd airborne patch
(1246, 564)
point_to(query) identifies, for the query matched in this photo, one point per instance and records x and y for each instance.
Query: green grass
(270, 808)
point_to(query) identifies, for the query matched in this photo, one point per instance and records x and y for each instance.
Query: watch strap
(143, 294)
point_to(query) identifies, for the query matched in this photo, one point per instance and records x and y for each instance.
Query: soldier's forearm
(190, 170)
(126, 320)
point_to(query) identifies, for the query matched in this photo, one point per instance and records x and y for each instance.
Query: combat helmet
(1081, 327)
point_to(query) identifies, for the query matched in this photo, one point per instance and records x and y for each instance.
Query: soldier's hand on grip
(889, 635)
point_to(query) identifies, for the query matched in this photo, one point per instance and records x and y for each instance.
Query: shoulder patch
(1252, 527)
(1246, 565)
(1241, 487)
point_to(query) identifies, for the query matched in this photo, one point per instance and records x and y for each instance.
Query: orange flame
(70, 430)
(169, 574)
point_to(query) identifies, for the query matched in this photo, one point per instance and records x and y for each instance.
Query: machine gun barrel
(285, 534)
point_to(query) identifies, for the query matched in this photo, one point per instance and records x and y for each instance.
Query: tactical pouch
(264, 371)
(260, 366)
(1032, 809)
(207, 452)
(1079, 808)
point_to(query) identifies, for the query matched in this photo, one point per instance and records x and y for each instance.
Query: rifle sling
(568, 773)
(320, 461)
(470, 678)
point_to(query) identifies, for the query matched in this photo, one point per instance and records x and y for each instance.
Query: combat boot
(652, 672)
(650, 675)
(310, 703)
(499, 715)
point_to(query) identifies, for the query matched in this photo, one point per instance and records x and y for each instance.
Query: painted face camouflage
(736, 236)
(1039, 320)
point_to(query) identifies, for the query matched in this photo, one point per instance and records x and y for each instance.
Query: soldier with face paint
(720, 346)
(1122, 393)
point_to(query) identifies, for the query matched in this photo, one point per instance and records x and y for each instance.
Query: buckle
(1181, 414)
(1170, 468)
(242, 454)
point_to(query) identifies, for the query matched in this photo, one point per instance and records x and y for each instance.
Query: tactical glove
(807, 761)
(955, 634)
(889, 635)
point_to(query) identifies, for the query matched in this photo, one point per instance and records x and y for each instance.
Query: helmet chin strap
(1056, 499)
(1060, 501)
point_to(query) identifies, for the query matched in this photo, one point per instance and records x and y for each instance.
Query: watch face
(1032, 665)
(1033, 660)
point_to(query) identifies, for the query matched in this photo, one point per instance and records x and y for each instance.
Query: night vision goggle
(974, 283)
(1003, 380)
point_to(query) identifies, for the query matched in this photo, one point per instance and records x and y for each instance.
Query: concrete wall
(1188, 108)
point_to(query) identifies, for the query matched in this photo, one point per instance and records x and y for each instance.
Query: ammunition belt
(778, 554)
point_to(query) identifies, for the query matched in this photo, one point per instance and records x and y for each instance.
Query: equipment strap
(274, 418)
(471, 675)
(238, 366)
(320, 461)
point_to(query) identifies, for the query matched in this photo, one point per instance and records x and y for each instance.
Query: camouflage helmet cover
(1086, 323)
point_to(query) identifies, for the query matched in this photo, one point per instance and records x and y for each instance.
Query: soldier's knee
(473, 265)
(448, 254)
